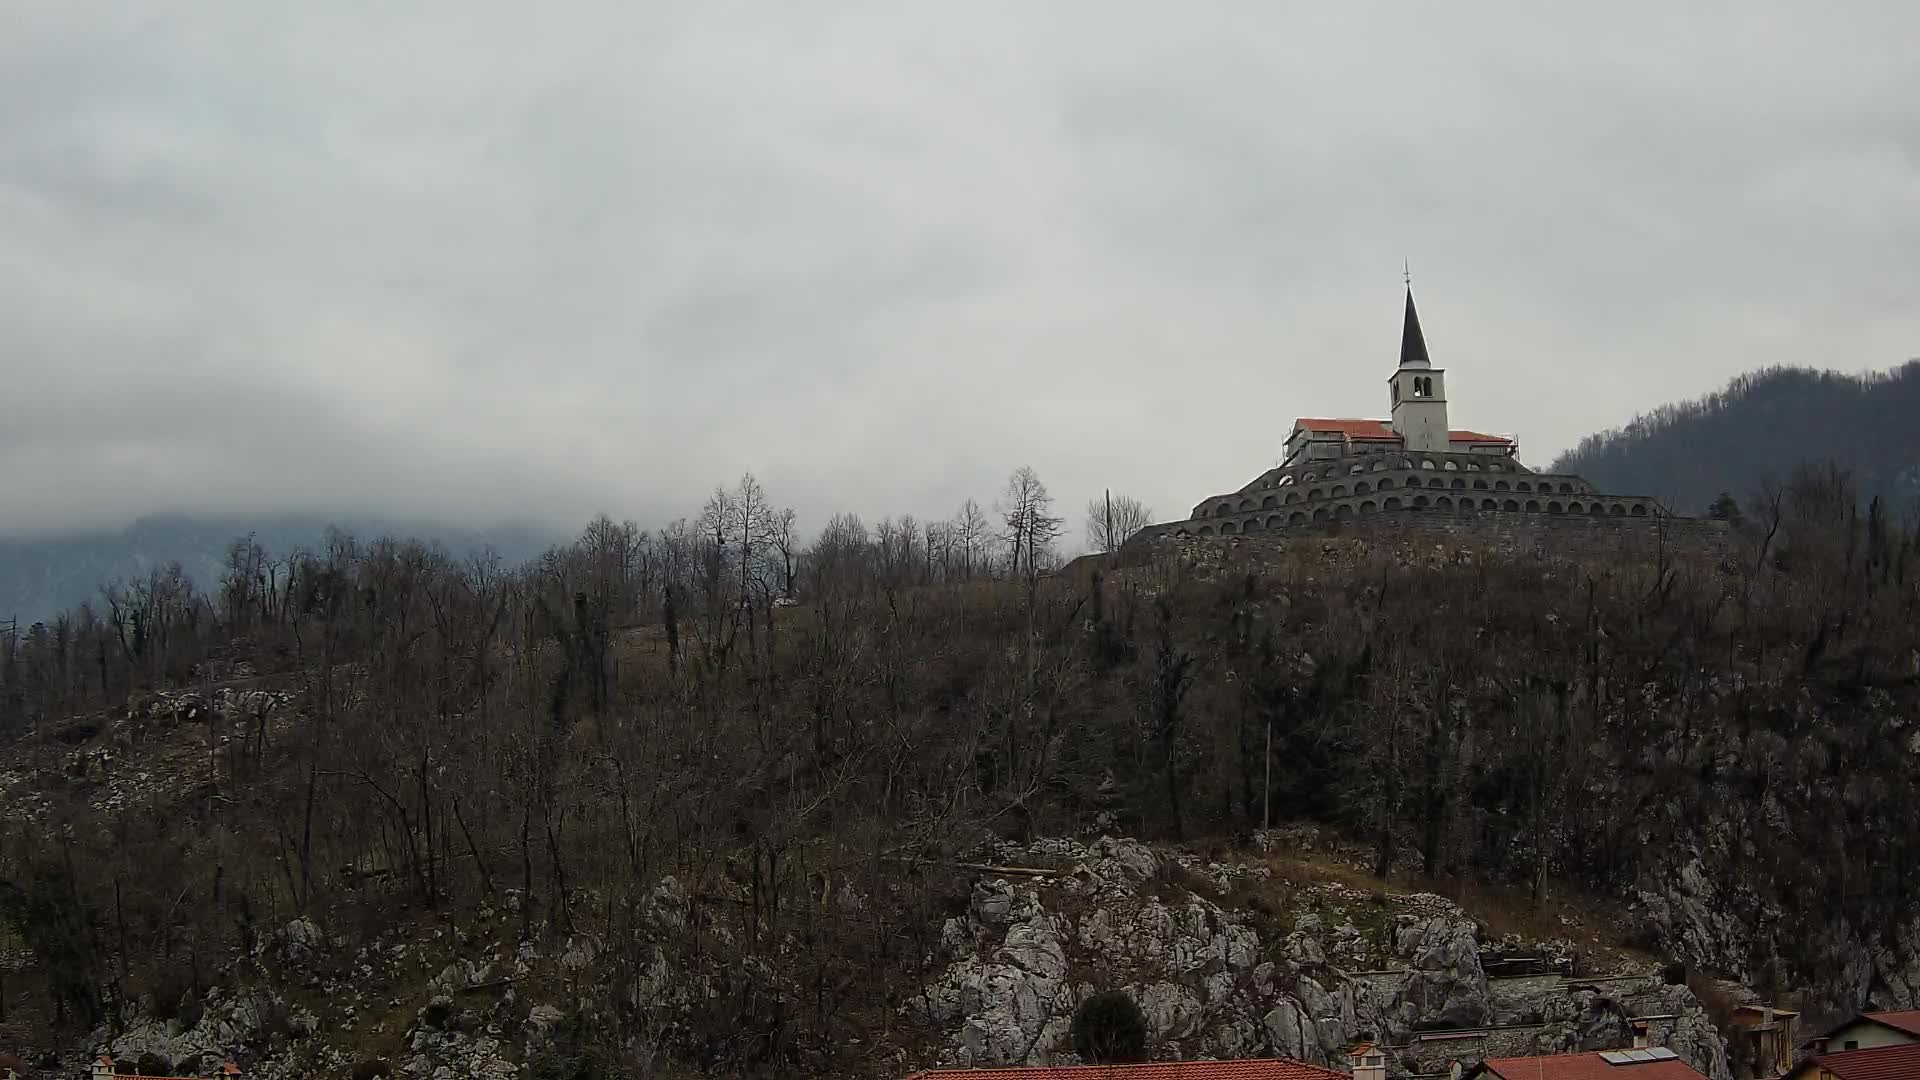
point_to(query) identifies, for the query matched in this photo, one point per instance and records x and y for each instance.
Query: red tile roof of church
(1352, 429)
(1383, 429)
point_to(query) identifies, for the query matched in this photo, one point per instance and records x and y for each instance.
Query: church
(1414, 462)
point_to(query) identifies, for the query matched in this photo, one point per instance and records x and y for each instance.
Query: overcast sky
(481, 260)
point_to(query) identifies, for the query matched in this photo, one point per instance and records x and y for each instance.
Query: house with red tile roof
(1249, 1069)
(104, 1069)
(1894, 1062)
(1870, 1029)
(1411, 465)
(1638, 1064)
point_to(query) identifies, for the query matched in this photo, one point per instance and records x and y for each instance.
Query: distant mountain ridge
(1760, 426)
(43, 576)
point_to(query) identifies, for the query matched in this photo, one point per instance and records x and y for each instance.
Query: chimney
(1368, 1062)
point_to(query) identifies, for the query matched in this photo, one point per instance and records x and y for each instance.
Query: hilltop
(621, 807)
(1757, 429)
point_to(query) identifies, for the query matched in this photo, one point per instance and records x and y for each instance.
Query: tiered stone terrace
(1311, 493)
(1413, 465)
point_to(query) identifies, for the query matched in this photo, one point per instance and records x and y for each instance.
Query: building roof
(1461, 435)
(1362, 430)
(1251, 1069)
(1592, 1065)
(103, 1061)
(1413, 343)
(1880, 1063)
(1907, 1020)
(1351, 428)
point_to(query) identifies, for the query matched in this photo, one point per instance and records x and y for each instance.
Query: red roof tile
(229, 1069)
(1907, 1020)
(1462, 435)
(1588, 1066)
(1383, 429)
(1879, 1063)
(1352, 429)
(1257, 1069)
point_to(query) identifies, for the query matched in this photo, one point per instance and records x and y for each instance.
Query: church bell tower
(1419, 390)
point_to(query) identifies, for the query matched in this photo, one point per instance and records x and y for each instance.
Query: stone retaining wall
(1508, 532)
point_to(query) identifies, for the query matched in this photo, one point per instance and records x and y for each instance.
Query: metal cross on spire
(1409, 274)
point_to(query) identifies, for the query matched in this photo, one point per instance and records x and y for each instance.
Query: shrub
(191, 1011)
(173, 996)
(573, 1052)
(276, 1020)
(372, 1069)
(1109, 1029)
(152, 1064)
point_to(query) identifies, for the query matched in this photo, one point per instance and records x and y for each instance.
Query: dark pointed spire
(1413, 344)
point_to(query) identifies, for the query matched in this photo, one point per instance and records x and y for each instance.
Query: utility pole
(1108, 539)
(1266, 785)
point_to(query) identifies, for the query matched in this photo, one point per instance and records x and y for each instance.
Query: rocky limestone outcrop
(1024, 956)
(1714, 920)
(1445, 984)
(446, 1045)
(1006, 987)
(298, 944)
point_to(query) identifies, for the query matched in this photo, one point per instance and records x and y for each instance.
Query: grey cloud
(493, 260)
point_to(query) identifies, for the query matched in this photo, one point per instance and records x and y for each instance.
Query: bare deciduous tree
(1113, 519)
(970, 535)
(784, 535)
(1029, 525)
(458, 730)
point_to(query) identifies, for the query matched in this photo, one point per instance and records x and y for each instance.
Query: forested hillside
(1756, 430)
(710, 757)
(44, 575)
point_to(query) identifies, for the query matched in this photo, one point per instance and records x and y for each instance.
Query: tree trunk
(486, 879)
(1433, 795)
(306, 837)
(426, 823)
